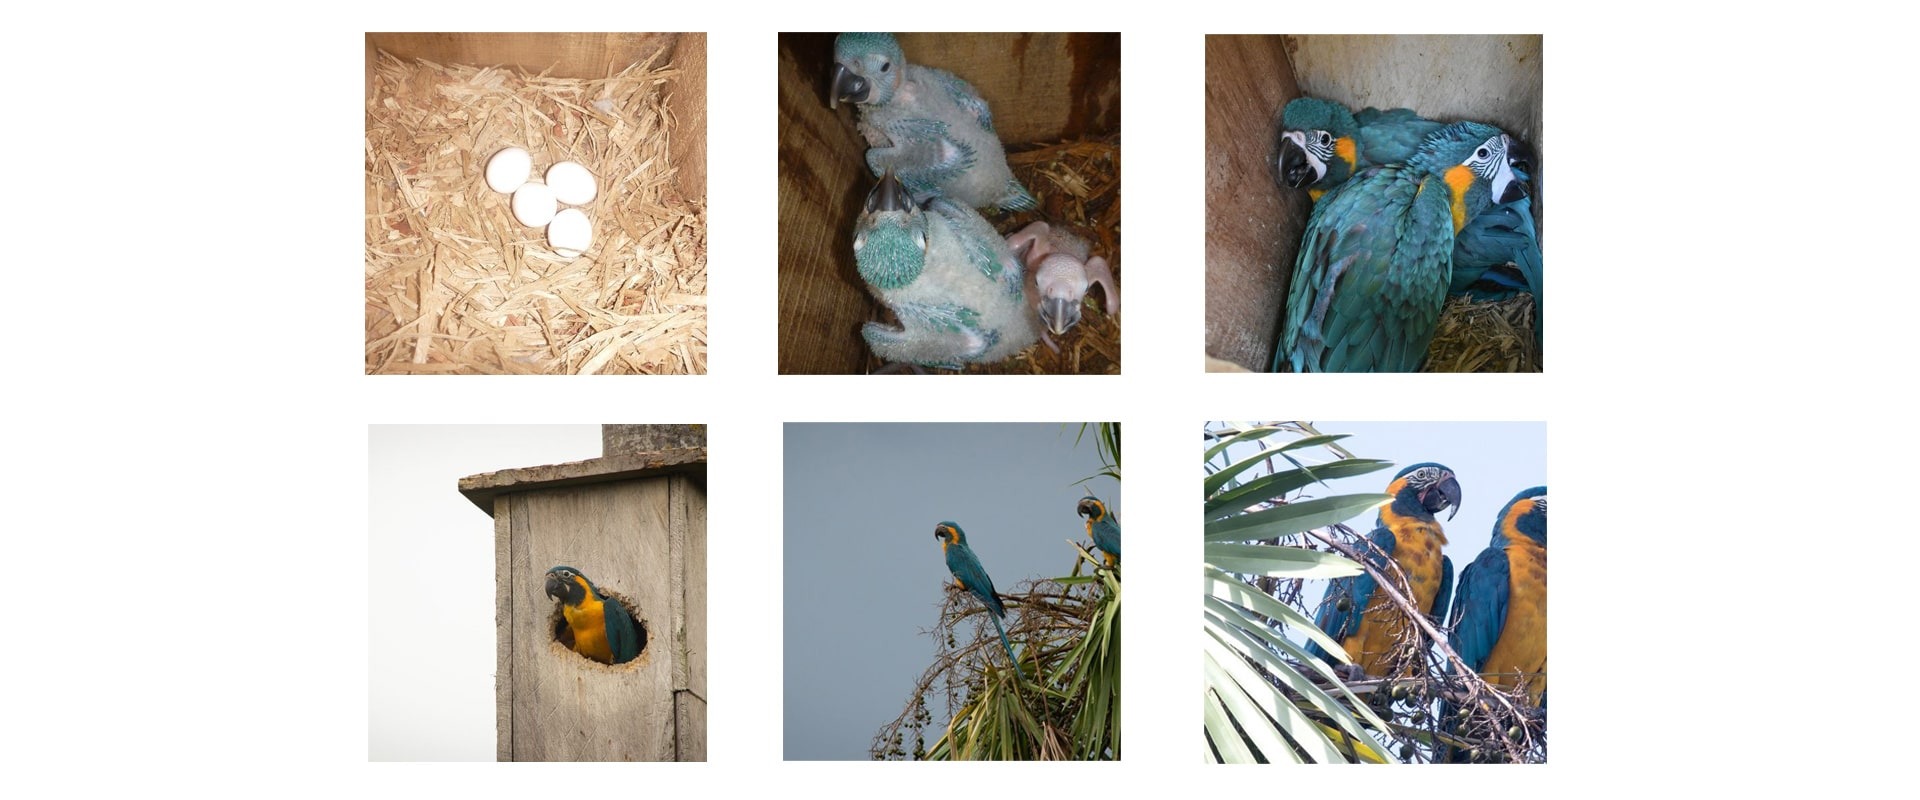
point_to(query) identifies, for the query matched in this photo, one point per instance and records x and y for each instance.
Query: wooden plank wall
(563, 707)
(1042, 87)
(584, 55)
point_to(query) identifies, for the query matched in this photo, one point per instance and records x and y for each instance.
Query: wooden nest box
(1254, 226)
(1054, 97)
(635, 523)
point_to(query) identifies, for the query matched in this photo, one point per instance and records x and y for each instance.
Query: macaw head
(1525, 515)
(890, 237)
(1480, 165)
(1316, 145)
(949, 533)
(1428, 484)
(1091, 508)
(867, 68)
(568, 586)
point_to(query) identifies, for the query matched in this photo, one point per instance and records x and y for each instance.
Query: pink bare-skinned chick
(1061, 273)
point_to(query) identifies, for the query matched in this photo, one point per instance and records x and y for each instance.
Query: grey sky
(430, 634)
(864, 575)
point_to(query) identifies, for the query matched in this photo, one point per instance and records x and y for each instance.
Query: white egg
(508, 169)
(533, 205)
(572, 183)
(570, 233)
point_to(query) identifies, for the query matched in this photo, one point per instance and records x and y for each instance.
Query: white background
(1727, 406)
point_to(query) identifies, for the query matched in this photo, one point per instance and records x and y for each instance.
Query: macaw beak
(1518, 173)
(846, 86)
(1060, 314)
(1295, 170)
(1449, 490)
(556, 588)
(888, 195)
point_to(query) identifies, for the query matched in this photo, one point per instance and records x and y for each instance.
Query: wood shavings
(456, 286)
(1485, 337)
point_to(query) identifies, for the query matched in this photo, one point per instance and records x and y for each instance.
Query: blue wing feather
(1341, 623)
(1480, 610)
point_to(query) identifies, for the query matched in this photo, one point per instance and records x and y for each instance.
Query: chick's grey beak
(1520, 168)
(888, 195)
(847, 86)
(1061, 314)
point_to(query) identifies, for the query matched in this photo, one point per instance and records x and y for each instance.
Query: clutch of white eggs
(569, 231)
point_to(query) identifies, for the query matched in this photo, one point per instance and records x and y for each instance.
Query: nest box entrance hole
(563, 635)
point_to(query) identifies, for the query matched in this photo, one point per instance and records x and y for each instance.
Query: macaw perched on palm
(1500, 614)
(948, 276)
(1367, 624)
(1376, 259)
(926, 125)
(598, 626)
(971, 577)
(1102, 527)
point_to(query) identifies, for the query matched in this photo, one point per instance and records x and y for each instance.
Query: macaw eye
(1326, 138)
(886, 65)
(1481, 153)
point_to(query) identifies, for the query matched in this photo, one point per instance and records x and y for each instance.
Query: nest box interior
(455, 284)
(1253, 225)
(1055, 99)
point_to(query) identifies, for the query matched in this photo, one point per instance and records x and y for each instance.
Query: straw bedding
(456, 285)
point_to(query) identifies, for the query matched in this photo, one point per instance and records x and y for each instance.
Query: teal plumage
(1375, 262)
(926, 125)
(971, 576)
(948, 277)
(1101, 526)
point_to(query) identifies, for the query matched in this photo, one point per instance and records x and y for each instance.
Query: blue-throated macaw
(1375, 261)
(1101, 525)
(598, 626)
(1500, 613)
(926, 125)
(946, 274)
(1407, 533)
(971, 577)
(1322, 144)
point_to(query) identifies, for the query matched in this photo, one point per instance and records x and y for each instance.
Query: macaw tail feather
(1009, 645)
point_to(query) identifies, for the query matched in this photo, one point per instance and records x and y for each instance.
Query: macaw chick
(1500, 615)
(1367, 624)
(1063, 269)
(598, 626)
(1376, 259)
(946, 274)
(926, 125)
(971, 577)
(1102, 527)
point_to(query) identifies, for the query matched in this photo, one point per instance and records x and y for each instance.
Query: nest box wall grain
(1042, 88)
(636, 526)
(1253, 227)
